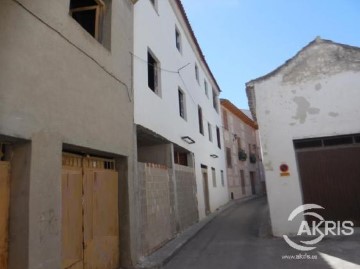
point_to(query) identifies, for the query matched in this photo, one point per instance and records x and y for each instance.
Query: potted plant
(242, 155)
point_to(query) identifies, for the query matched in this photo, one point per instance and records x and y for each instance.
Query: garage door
(330, 175)
(4, 212)
(90, 237)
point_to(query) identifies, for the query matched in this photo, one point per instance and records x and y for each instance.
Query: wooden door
(101, 225)
(253, 183)
(4, 212)
(72, 220)
(206, 192)
(90, 226)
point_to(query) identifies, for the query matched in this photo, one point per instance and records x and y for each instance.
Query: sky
(245, 39)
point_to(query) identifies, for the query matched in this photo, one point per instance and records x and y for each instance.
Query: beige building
(66, 134)
(242, 149)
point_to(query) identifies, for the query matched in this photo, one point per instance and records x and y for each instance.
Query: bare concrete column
(45, 202)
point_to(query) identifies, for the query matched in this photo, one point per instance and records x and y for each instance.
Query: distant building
(66, 133)
(245, 173)
(180, 155)
(308, 114)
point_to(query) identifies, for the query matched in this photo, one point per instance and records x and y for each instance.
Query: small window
(228, 158)
(218, 137)
(206, 88)
(197, 73)
(181, 158)
(222, 178)
(201, 126)
(210, 132)
(182, 111)
(225, 119)
(213, 176)
(215, 100)
(178, 39)
(153, 73)
(238, 142)
(91, 15)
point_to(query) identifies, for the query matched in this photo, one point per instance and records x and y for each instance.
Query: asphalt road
(239, 238)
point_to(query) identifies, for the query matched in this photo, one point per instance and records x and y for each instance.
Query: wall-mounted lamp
(214, 156)
(188, 139)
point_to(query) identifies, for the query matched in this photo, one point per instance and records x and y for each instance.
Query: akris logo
(328, 227)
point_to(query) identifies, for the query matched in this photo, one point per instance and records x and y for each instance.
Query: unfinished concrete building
(66, 134)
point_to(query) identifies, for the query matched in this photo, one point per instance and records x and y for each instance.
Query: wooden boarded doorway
(4, 212)
(329, 170)
(90, 213)
(206, 189)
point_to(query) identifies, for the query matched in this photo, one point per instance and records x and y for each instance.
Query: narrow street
(238, 238)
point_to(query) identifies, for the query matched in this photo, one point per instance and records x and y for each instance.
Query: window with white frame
(178, 39)
(210, 132)
(153, 73)
(206, 88)
(215, 100)
(182, 105)
(197, 73)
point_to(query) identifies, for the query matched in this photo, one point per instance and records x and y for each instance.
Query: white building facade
(308, 115)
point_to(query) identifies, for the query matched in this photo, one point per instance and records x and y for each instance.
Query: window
(228, 157)
(180, 158)
(218, 137)
(178, 39)
(94, 18)
(222, 178)
(225, 119)
(210, 132)
(153, 73)
(197, 73)
(213, 176)
(206, 88)
(201, 126)
(238, 142)
(215, 100)
(182, 111)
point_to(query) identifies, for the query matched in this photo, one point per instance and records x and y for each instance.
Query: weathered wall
(58, 85)
(155, 206)
(187, 203)
(314, 95)
(248, 135)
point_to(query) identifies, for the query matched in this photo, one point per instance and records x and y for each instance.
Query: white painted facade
(155, 30)
(315, 94)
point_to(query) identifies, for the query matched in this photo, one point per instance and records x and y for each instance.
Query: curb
(163, 255)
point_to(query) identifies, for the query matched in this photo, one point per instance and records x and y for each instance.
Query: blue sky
(245, 39)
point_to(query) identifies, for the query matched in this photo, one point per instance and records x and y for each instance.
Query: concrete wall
(156, 208)
(155, 29)
(58, 85)
(186, 191)
(314, 95)
(248, 135)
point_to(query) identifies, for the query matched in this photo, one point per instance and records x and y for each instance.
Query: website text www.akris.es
(299, 257)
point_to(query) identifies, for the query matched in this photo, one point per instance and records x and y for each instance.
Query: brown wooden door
(330, 177)
(4, 212)
(90, 237)
(252, 182)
